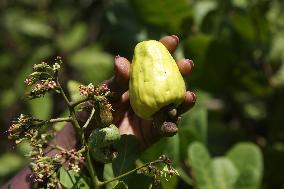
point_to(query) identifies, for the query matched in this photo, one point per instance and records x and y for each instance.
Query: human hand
(124, 117)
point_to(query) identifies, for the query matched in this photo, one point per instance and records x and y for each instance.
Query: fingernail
(194, 97)
(116, 57)
(191, 63)
(172, 113)
(175, 38)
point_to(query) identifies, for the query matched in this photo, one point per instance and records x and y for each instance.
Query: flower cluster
(18, 127)
(41, 87)
(87, 90)
(25, 127)
(102, 90)
(43, 78)
(44, 167)
(73, 157)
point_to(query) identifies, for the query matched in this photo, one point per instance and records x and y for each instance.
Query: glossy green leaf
(9, 163)
(17, 21)
(196, 47)
(208, 173)
(74, 38)
(201, 9)
(248, 160)
(166, 14)
(92, 64)
(73, 90)
(120, 185)
(72, 180)
(108, 174)
(225, 173)
(167, 146)
(201, 165)
(41, 107)
(129, 152)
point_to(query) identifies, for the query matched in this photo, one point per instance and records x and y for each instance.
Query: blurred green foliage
(238, 50)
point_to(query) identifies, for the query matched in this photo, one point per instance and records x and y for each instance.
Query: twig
(132, 171)
(89, 119)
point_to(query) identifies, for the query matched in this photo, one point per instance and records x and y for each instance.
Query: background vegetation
(238, 50)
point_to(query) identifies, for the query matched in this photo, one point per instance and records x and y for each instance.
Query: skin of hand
(124, 117)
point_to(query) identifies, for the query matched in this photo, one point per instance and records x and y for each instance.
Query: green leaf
(196, 47)
(129, 151)
(200, 162)
(72, 180)
(225, 173)
(184, 176)
(167, 14)
(217, 173)
(108, 174)
(73, 89)
(187, 135)
(167, 146)
(10, 163)
(244, 25)
(41, 107)
(240, 3)
(278, 77)
(194, 124)
(169, 183)
(201, 9)
(251, 26)
(248, 160)
(18, 21)
(255, 110)
(93, 65)
(8, 97)
(33, 27)
(74, 38)
(121, 185)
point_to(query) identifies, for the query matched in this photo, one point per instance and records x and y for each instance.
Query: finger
(189, 101)
(170, 42)
(185, 66)
(122, 71)
(119, 83)
(120, 107)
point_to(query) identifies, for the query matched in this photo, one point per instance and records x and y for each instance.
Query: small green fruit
(104, 155)
(101, 143)
(103, 137)
(155, 80)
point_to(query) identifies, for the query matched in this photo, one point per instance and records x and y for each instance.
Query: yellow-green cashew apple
(155, 80)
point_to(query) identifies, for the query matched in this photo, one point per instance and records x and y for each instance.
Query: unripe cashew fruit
(155, 80)
(104, 155)
(101, 143)
(103, 137)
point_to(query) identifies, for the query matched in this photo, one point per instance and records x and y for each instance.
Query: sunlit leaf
(248, 160)
(225, 173)
(72, 180)
(9, 163)
(92, 64)
(166, 14)
(74, 38)
(41, 107)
